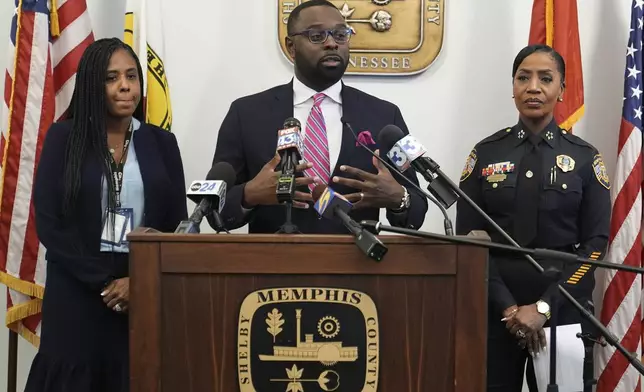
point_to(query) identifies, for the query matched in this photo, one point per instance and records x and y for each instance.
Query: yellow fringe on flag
(22, 311)
(23, 331)
(27, 288)
(550, 22)
(54, 24)
(570, 121)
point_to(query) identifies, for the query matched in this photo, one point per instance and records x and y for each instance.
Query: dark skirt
(84, 344)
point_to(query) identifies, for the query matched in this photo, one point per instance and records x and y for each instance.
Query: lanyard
(117, 168)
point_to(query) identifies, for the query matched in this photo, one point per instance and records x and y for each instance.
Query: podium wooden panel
(186, 292)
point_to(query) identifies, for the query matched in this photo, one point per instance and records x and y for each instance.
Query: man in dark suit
(318, 41)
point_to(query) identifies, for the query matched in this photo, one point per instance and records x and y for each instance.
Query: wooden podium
(323, 315)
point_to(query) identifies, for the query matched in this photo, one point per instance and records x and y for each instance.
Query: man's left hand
(379, 190)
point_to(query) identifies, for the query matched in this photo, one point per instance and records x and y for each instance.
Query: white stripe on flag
(71, 37)
(634, 143)
(64, 97)
(35, 94)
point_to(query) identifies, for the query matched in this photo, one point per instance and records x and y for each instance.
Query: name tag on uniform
(117, 225)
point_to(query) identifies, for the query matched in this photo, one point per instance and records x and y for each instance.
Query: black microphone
(289, 147)
(447, 223)
(210, 196)
(331, 205)
(405, 151)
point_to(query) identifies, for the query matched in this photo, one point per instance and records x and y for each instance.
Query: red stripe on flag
(618, 363)
(17, 121)
(620, 285)
(69, 12)
(66, 68)
(32, 244)
(626, 198)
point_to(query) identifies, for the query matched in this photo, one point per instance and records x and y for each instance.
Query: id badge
(117, 225)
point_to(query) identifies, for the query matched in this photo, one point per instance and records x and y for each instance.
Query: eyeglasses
(319, 36)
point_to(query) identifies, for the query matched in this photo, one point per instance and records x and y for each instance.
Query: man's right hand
(261, 189)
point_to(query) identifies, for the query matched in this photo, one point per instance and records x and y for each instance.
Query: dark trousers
(506, 361)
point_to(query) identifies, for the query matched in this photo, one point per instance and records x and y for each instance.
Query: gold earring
(560, 99)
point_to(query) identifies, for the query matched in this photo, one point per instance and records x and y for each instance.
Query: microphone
(447, 223)
(405, 151)
(289, 147)
(331, 205)
(210, 196)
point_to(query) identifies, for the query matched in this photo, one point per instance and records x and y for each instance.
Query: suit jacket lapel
(279, 109)
(147, 156)
(350, 114)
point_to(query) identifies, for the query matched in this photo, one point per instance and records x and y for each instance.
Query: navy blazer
(248, 138)
(73, 243)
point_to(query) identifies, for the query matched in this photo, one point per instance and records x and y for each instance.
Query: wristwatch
(405, 202)
(543, 308)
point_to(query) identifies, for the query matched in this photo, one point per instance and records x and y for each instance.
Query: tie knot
(318, 98)
(535, 139)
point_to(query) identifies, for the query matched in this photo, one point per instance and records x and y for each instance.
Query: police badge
(565, 163)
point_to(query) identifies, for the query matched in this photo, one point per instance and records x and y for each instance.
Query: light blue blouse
(131, 194)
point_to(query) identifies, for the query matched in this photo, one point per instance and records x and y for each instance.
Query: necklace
(112, 150)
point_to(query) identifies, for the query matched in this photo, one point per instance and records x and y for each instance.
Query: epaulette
(576, 139)
(496, 136)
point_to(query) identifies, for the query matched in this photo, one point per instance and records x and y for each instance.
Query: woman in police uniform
(548, 189)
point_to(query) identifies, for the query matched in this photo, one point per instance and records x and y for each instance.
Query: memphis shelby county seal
(297, 339)
(389, 37)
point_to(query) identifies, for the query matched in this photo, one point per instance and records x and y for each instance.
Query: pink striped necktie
(316, 146)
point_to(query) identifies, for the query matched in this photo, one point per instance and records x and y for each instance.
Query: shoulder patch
(600, 171)
(470, 162)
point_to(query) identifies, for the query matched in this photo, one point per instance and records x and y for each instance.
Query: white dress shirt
(331, 110)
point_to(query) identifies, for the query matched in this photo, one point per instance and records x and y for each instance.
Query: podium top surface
(151, 235)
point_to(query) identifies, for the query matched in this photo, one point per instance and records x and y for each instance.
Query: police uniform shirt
(550, 190)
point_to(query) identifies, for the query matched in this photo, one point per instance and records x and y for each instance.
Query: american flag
(47, 40)
(621, 292)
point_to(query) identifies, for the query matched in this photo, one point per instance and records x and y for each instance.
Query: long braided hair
(88, 112)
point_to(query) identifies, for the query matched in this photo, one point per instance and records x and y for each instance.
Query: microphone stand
(288, 227)
(376, 227)
(285, 191)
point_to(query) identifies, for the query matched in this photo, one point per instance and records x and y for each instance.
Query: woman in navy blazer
(102, 172)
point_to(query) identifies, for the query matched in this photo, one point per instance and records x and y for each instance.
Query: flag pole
(12, 363)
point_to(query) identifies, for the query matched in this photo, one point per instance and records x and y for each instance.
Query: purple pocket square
(365, 138)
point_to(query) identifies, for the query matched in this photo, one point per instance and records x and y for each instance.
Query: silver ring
(361, 196)
(118, 308)
(521, 334)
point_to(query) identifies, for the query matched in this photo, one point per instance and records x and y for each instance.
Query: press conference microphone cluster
(210, 196)
(389, 132)
(332, 205)
(404, 151)
(289, 148)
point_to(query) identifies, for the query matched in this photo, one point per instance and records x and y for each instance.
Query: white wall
(220, 50)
